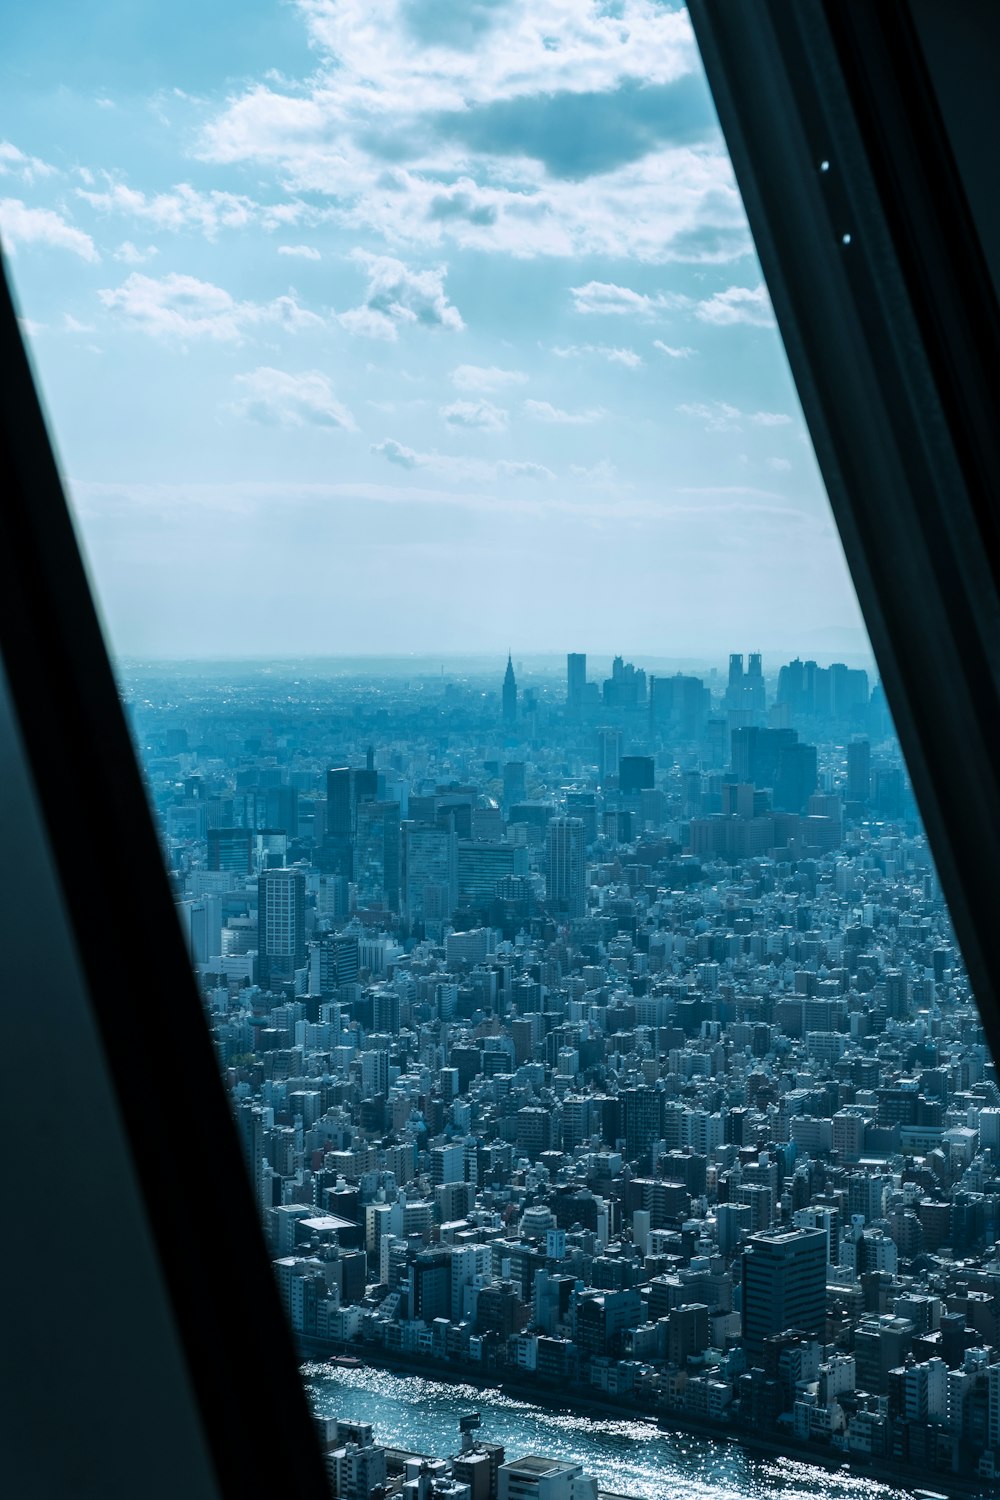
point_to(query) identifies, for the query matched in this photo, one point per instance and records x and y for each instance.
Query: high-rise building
(796, 777)
(641, 1121)
(333, 961)
(635, 774)
(339, 802)
(566, 875)
(514, 783)
(859, 771)
(754, 694)
(609, 752)
(784, 1285)
(365, 781)
(626, 687)
(377, 854)
(230, 849)
(756, 753)
(680, 704)
(576, 680)
(281, 925)
(734, 688)
(509, 695)
(482, 865)
(429, 875)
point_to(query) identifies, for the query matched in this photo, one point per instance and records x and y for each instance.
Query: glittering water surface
(626, 1456)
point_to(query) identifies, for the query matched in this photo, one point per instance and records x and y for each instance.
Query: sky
(379, 326)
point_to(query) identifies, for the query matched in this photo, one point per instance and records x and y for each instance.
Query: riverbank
(600, 1407)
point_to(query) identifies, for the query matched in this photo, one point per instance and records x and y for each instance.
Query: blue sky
(407, 325)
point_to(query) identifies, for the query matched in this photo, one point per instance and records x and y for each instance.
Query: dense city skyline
(604, 1035)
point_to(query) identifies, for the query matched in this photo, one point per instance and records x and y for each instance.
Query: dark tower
(509, 695)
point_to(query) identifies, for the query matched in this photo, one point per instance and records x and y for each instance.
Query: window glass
(573, 950)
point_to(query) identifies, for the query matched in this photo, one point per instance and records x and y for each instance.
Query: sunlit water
(627, 1457)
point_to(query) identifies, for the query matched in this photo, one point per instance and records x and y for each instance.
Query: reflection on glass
(593, 1022)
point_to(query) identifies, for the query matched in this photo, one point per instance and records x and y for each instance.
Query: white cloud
(132, 255)
(392, 128)
(279, 398)
(478, 414)
(485, 378)
(544, 411)
(304, 252)
(460, 470)
(515, 470)
(187, 207)
(615, 356)
(182, 307)
(779, 465)
(21, 225)
(73, 325)
(679, 353)
(720, 416)
(506, 52)
(606, 297)
(397, 296)
(15, 163)
(602, 476)
(737, 304)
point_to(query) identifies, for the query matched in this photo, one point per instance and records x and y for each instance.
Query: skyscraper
(609, 750)
(859, 771)
(796, 777)
(784, 1285)
(576, 680)
(377, 854)
(734, 689)
(566, 880)
(641, 1121)
(754, 691)
(509, 695)
(514, 783)
(429, 881)
(635, 773)
(339, 819)
(230, 849)
(281, 925)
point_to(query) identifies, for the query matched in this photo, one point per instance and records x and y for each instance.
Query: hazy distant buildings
(626, 687)
(609, 750)
(576, 681)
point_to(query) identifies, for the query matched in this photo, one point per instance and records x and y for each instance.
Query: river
(626, 1456)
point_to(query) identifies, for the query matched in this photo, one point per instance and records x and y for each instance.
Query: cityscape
(613, 1094)
(596, 1035)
